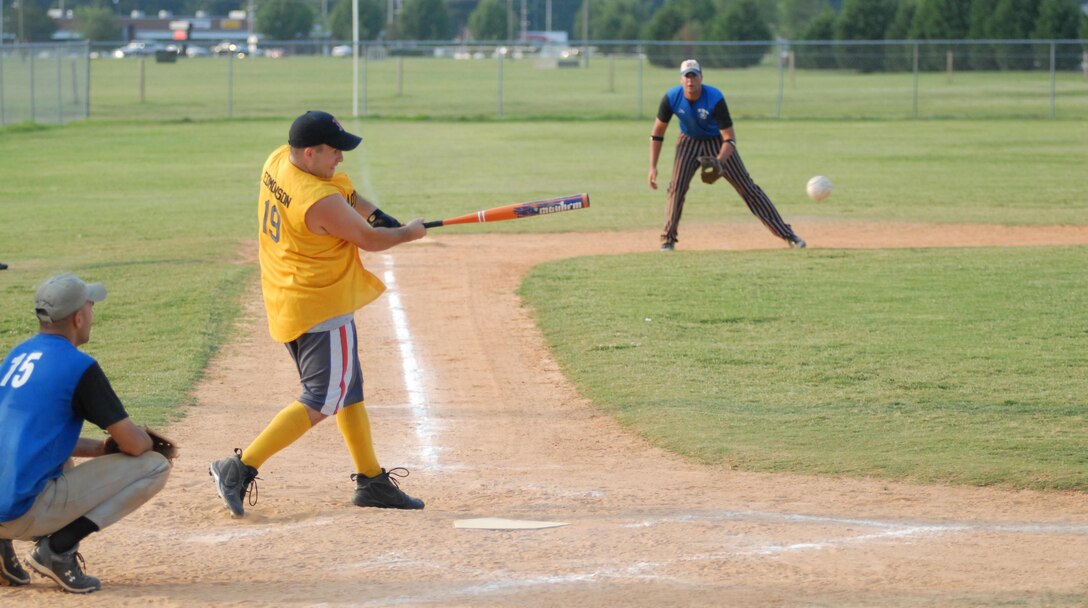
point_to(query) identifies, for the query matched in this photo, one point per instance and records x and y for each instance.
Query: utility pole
(355, 58)
(585, 30)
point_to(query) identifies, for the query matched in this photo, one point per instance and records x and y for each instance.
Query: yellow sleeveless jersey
(306, 278)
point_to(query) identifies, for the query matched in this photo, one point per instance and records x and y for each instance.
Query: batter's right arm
(333, 215)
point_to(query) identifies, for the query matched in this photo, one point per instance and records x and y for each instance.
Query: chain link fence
(599, 79)
(44, 83)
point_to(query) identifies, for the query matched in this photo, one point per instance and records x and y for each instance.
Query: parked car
(137, 48)
(342, 50)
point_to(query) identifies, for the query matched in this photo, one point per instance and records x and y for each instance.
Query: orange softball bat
(517, 211)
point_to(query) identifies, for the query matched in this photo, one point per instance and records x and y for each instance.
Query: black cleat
(796, 242)
(233, 480)
(383, 491)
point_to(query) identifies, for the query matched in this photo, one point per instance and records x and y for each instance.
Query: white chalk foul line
(425, 427)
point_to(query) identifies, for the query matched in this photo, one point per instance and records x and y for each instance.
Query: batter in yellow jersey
(312, 223)
(306, 278)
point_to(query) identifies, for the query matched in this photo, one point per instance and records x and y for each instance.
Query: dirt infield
(462, 390)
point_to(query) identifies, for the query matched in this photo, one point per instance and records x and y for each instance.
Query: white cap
(690, 66)
(60, 296)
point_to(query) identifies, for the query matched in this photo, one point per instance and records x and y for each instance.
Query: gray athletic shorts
(328, 366)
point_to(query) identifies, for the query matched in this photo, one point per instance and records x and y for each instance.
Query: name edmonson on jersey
(278, 192)
(283, 197)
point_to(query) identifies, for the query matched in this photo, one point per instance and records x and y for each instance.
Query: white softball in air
(818, 188)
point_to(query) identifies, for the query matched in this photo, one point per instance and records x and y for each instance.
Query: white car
(137, 48)
(342, 50)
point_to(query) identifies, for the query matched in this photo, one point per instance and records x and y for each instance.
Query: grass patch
(958, 366)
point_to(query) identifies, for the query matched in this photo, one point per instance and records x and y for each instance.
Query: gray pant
(103, 489)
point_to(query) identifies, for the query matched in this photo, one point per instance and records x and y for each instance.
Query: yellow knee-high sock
(354, 425)
(291, 423)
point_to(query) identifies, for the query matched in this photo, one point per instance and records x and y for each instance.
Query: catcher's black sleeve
(95, 401)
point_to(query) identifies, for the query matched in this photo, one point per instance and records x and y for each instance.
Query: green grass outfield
(161, 212)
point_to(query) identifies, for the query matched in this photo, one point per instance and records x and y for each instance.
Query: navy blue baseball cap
(316, 127)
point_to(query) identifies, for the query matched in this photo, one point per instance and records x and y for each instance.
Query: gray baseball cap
(61, 295)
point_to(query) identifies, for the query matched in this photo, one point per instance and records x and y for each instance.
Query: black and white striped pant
(686, 165)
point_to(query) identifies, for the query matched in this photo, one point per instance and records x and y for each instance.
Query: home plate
(495, 523)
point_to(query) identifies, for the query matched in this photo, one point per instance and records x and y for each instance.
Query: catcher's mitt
(712, 169)
(159, 443)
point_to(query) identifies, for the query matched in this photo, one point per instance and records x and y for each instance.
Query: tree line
(751, 22)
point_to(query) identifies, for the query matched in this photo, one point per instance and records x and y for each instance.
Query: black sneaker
(11, 572)
(383, 491)
(796, 242)
(64, 568)
(668, 246)
(233, 480)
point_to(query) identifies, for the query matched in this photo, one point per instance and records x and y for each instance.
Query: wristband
(731, 141)
(381, 219)
(657, 138)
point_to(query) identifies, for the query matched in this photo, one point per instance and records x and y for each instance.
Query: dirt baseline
(462, 390)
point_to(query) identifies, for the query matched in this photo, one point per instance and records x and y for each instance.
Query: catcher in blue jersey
(706, 141)
(48, 389)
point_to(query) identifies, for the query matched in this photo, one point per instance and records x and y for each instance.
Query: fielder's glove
(712, 169)
(159, 443)
(381, 219)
